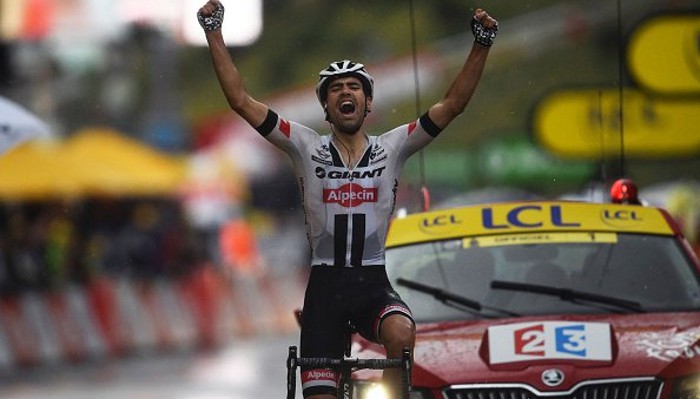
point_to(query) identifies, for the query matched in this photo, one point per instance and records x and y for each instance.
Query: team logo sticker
(549, 340)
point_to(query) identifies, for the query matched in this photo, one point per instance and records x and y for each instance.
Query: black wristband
(482, 35)
(214, 21)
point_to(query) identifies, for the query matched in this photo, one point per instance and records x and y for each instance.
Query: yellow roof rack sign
(526, 217)
(585, 124)
(663, 54)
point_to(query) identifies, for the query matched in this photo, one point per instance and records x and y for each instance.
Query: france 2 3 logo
(549, 340)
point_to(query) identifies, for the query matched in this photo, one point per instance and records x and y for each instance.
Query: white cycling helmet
(343, 68)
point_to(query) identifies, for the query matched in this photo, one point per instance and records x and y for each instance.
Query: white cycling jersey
(347, 211)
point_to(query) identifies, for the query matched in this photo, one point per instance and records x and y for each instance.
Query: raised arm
(211, 17)
(463, 87)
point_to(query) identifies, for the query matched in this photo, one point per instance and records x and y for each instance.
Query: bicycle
(346, 366)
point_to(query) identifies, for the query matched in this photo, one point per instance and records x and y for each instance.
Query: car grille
(608, 389)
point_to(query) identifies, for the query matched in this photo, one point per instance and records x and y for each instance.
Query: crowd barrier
(118, 317)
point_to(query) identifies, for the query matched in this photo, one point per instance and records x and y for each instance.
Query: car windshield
(594, 272)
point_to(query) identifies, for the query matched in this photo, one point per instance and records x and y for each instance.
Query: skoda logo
(552, 377)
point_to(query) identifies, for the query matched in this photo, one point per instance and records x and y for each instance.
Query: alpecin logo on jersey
(349, 195)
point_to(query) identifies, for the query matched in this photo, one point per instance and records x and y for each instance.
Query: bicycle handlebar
(347, 365)
(353, 363)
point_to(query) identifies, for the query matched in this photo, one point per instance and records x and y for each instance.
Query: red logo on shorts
(349, 195)
(319, 375)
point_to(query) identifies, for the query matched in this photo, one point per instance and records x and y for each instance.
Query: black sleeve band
(268, 124)
(430, 127)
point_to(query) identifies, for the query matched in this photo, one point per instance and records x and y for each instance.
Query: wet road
(244, 369)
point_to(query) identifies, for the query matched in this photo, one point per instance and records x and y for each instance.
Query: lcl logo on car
(620, 218)
(439, 223)
(552, 377)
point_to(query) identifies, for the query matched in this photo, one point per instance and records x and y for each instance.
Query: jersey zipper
(350, 230)
(348, 246)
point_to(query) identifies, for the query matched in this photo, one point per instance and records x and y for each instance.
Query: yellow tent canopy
(92, 162)
(37, 169)
(144, 169)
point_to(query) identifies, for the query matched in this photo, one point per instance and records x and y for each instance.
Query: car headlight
(687, 388)
(375, 390)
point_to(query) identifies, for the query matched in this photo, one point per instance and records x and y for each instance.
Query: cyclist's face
(346, 104)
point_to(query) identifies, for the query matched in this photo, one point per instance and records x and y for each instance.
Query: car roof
(527, 217)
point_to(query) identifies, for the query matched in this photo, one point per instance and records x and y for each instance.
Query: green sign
(442, 167)
(517, 161)
(511, 161)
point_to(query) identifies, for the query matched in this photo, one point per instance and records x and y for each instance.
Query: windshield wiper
(569, 295)
(450, 298)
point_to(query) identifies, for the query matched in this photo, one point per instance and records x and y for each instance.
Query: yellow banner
(529, 217)
(586, 124)
(663, 54)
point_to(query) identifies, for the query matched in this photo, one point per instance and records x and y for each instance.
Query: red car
(546, 300)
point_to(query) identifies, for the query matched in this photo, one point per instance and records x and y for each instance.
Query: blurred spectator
(95, 251)
(684, 204)
(52, 243)
(138, 242)
(24, 262)
(239, 249)
(59, 236)
(5, 282)
(251, 280)
(180, 249)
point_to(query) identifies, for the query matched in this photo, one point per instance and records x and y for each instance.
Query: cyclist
(348, 181)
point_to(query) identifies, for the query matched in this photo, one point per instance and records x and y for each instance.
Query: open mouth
(347, 107)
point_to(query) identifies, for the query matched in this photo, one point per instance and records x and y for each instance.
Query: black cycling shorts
(336, 296)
